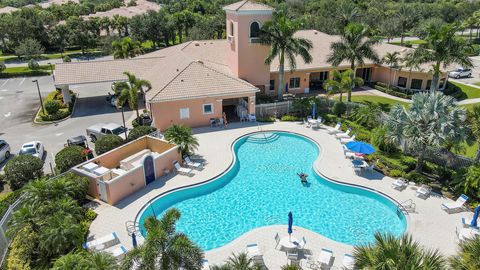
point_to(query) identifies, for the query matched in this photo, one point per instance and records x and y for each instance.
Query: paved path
(215, 149)
(375, 92)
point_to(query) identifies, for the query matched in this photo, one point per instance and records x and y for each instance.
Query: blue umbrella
(360, 147)
(475, 217)
(286, 88)
(290, 223)
(134, 240)
(314, 110)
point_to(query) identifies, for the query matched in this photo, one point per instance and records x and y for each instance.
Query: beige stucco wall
(167, 113)
(246, 59)
(125, 185)
(165, 162)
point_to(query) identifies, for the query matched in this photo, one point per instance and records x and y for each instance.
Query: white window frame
(207, 104)
(187, 110)
(294, 78)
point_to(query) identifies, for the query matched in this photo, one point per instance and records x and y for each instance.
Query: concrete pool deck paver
(431, 226)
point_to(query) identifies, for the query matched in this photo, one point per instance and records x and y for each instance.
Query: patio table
(359, 163)
(288, 242)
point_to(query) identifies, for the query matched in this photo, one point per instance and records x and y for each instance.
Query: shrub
(90, 215)
(2, 182)
(2, 66)
(33, 65)
(380, 140)
(183, 137)
(57, 116)
(266, 119)
(339, 108)
(140, 131)
(22, 169)
(394, 91)
(454, 91)
(7, 199)
(417, 177)
(290, 118)
(262, 98)
(68, 157)
(107, 143)
(396, 173)
(67, 59)
(52, 106)
(21, 249)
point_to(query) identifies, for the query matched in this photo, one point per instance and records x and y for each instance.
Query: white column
(66, 94)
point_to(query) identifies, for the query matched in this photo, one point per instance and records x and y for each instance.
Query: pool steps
(263, 138)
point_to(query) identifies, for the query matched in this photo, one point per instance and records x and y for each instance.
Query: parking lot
(19, 103)
(475, 72)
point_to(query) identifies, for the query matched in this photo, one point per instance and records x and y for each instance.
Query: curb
(44, 123)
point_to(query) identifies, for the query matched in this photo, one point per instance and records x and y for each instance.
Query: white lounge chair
(333, 130)
(254, 253)
(455, 206)
(118, 252)
(205, 265)
(423, 192)
(348, 262)
(190, 163)
(343, 134)
(103, 242)
(399, 184)
(325, 257)
(182, 170)
(347, 140)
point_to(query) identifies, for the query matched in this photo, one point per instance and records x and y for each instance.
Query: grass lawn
(377, 99)
(469, 91)
(50, 55)
(26, 69)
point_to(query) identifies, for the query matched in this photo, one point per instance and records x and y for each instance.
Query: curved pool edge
(314, 166)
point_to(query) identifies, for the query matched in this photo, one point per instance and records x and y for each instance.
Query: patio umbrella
(475, 217)
(360, 147)
(134, 240)
(290, 224)
(286, 88)
(314, 110)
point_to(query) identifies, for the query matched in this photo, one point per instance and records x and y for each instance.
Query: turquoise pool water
(262, 187)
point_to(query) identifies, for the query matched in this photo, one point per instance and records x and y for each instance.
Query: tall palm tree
(473, 119)
(128, 91)
(346, 13)
(412, 61)
(354, 46)
(467, 257)
(432, 120)
(391, 59)
(407, 17)
(443, 48)
(126, 48)
(342, 83)
(182, 136)
(238, 262)
(279, 35)
(391, 253)
(83, 260)
(164, 248)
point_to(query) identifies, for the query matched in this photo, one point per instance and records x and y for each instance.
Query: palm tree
(342, 83)
(354, 46)
(183, 137)
(105, 24)
(412, 61)
(473, 119)
(432, 120)
(238, 262)
(60, 234)
(467, 257)
(279, 35)
(128, 91)
(368, 115)
(84, 260)
(391, 253)
(346, 13)
(164, 248)
(391, 59)
(407, 17)
(126, 48)
(443, 48)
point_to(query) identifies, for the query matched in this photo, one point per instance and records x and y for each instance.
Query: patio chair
(103, 242)
(253, 252)
(190, 163)
(348, 262)
(205, 265)
(312, 263)
(343, 134)
(423, 192)
(302, 243)
(292, 255)
(252, 118)
(347, 140)
(182, 170)
(325, 257)
(455, 206)
(399, 184)
(277, 240)
(357, 170)
(333, 130)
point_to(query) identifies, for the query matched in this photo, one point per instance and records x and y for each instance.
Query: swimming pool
(262, 186)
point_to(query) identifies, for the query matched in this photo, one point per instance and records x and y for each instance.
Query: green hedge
(30, 73)
(454, 91)
(291, 118)
(267, 119)
(394, 91)
(7, 199)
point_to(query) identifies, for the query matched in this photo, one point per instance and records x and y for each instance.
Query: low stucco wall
(125, 185)
(165, 162)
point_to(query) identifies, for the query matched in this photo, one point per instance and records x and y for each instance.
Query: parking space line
(22, 81)
(5, 82)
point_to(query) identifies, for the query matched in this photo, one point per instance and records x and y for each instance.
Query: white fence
(270, 109)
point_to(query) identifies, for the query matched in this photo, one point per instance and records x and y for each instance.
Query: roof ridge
(112, 60)
(229, 76)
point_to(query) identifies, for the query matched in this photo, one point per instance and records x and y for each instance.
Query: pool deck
(430, 225)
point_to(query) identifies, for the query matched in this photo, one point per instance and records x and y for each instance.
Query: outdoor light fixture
(40, 96)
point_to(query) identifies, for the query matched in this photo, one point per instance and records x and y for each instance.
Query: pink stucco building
(197, 81)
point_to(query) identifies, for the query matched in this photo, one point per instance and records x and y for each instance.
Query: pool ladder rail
(407, 206)
(132, 227)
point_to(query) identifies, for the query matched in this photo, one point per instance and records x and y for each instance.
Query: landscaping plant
(183, 137)
(22, 169)
(69, 157)
(107, 143)
(140, 131)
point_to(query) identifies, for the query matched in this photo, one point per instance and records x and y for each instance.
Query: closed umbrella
(314, 110)
(290, 224)
(134, 240)
(360, 147)
(475, 217)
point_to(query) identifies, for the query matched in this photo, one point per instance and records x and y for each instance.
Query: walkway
(430, 225)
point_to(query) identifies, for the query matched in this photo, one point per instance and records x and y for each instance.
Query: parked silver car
(4, 150)
(460, 73)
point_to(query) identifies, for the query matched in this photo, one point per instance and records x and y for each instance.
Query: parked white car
(460, 73)
(4, 150)
(34, 148)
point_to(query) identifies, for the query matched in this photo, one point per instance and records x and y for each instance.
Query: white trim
(206, 104)
(188, 113)
(248, 12)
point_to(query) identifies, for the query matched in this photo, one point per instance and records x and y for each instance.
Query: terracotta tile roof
(8, 9)
(248, 5)
(142, 6)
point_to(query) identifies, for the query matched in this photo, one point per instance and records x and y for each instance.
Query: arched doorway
(149, 169)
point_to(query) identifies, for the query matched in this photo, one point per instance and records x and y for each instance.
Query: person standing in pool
(303, 178)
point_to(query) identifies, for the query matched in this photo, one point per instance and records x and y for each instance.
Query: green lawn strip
(52, 55)
(377, 99)
(469, 91)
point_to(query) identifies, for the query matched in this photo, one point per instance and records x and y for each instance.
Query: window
(402, 82)
(207, 108)
(429, 84)
(254, 30)
(231, 29)
(184, 113)
(416, 84)
(294, 82)
(272, 85)
(442, 84)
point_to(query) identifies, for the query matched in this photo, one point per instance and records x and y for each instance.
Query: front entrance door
(149, 169)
